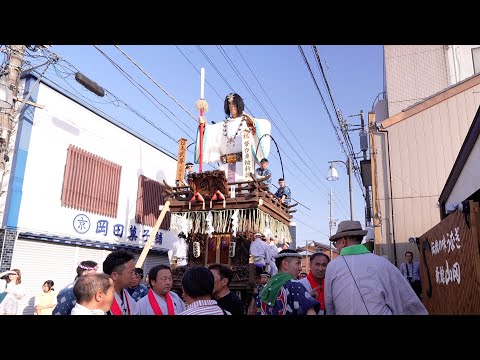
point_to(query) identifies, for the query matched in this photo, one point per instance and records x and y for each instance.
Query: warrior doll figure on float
(234, 142)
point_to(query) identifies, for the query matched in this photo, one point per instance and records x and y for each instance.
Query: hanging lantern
(196, 249)
(231, 250)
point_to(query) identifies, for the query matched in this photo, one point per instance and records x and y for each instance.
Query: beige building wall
(424, 143)
(461, 61)
(413, 72)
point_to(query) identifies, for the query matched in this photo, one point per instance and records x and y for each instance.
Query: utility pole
(7, 111)
(350, 185)
(376, 215)
(331, 224)
(364, 148)
(7, 108)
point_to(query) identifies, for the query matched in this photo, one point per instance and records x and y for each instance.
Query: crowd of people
(357, 282)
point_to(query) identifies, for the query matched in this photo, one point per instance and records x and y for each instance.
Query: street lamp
(332, 175)
(307, 257)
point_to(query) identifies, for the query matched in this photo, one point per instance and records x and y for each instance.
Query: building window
(90, 183)
(476, 60)
(149, 200)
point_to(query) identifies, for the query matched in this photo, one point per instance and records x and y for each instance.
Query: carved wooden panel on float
(217, 249)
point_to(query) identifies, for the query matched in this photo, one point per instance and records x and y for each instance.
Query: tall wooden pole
(350, 186)
(375, 216)
(202, 106)
(368, 212)
(151, 238)
(7, 113)
(202, 131)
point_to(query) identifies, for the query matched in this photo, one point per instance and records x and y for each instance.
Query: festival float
(217, 213)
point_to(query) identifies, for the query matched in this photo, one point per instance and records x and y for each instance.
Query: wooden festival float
(218, 219)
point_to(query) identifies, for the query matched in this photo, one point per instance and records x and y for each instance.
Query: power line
(320, 177)
(68, 73)
(346, 135)
(142, 89)
(230, 62)
(237, 72)
(323, 100)
(123, 124)
(156, 83)
(198, 72)
(230, 87)
(287, 141)
(216, 69)
(321, 232)
(130, 108)
(116, 99)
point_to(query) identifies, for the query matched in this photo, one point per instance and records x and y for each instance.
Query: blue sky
(279, 88)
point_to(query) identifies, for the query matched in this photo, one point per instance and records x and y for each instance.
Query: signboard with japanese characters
(134, 233)
(450, 264)
(248, 163)
(182, 153)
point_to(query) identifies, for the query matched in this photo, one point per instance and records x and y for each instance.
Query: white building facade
(80, 185)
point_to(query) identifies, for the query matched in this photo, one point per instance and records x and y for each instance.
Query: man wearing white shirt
(258, 249)
(272, 252)
(94, 293)
(160, 300)
(120, 265)
(411, 271)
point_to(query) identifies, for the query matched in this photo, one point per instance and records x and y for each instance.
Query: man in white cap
(259, 251)
(359, 282)
(272, 252)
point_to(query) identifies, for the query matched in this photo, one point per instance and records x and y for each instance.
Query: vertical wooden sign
(247, 159)
(181, 160)
(450, 265)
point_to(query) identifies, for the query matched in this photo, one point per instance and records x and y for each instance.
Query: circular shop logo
(81, 223)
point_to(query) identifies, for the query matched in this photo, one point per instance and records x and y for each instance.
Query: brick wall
(7, 242)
